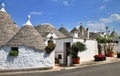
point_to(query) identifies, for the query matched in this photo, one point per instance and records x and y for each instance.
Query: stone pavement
(59, 68)
(87, 63)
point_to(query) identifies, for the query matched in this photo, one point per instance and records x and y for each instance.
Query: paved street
(112, 69)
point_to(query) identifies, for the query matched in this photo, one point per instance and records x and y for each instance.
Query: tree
(106, 30)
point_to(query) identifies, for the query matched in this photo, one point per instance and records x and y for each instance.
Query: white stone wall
(48, 37)
(91, 45)
(59, 50)
(104, 46)
(118, 46)
(92, 49)
(27, 58)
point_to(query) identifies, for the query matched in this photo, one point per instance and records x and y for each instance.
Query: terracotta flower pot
(76, 60)
(110, 54)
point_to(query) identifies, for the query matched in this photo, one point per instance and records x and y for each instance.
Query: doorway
(66, 46)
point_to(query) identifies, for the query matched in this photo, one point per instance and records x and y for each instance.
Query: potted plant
(77, 47)
(110, 54)
(110, 48)
(13, 53)
(50, 47)
(118, 55)
(99, 57)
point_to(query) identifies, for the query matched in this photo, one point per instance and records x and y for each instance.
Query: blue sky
(94, 14)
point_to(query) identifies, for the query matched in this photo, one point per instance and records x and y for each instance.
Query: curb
(59, 68)
(92, 63)
(28, 70)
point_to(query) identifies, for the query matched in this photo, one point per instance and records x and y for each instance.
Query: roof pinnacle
(62, 25)
(28, 22)
(3, 6)
(81, 24)
(29, 17)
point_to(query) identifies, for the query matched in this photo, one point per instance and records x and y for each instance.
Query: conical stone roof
(44, 29)
(74, 30)
(65, 32)
(8, 28)
(114, 34)
(27, 36)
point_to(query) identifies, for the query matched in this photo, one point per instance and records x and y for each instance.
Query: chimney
(75, 34)
(87, 33)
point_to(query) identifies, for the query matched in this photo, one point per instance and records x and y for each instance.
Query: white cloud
(96, 26)
(100, 24)
(113, 17)
(64, 2)
(36, 13)
(102, 7)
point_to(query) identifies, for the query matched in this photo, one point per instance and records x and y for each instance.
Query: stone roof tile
(8, 28)
(45, 29)
(27, 36)
(65, 32)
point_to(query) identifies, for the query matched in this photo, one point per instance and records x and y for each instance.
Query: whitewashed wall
(27, 58)
(119, 46)
(48, 37)
(92, 49)
(59, 50)
(91, 45)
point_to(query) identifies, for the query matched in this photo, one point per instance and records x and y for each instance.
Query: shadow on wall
(46, 55)
(10, 58)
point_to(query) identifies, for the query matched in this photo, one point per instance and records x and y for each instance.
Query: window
(49, 41)
(14, 49)
(51, 38)
(84, 40)
(59, 56)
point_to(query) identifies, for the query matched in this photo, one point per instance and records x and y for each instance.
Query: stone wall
(60, 49)
(92, 49)
(102, 47)
(118, 46)
(27, 58)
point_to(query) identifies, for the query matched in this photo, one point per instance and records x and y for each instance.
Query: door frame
(65, 60)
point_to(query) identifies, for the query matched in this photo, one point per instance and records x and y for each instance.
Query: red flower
(99, 56)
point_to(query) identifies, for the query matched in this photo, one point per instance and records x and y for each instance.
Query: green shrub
(104, 40)
(13, 53)
(77, 47)
(50, 47)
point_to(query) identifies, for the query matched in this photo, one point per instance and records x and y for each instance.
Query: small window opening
(14, 49)
(59, 56)
(84, 40)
